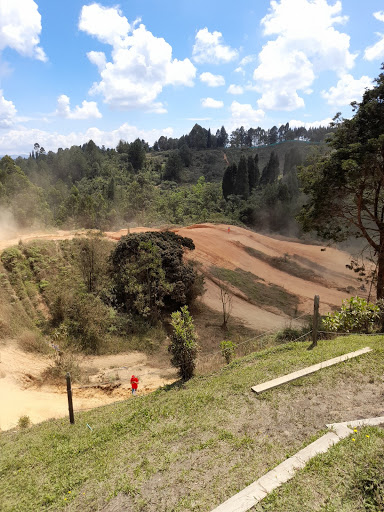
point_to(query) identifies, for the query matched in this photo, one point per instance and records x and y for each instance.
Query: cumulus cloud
(141, 63)
(212, 80)
(235, 89)
(20, 27)
(347, 90)
(107, 24)
(7, 112)
(88, 109)
(20, 141)
(209, 48)
(211, 103)
(306, 43)
(376, 51)
(244, 115)
(311, 124)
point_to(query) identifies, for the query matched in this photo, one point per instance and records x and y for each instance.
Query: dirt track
(19, 372)
(22, 392)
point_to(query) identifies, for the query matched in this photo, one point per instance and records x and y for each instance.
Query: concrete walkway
(251, 495)
(265, 386)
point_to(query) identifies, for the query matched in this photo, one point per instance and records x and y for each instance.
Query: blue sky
(71, 71)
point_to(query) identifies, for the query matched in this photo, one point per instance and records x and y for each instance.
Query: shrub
(24, 422)
(228, 350)
(31, 341)
(63, 363)
(183, 345)
(355, 315)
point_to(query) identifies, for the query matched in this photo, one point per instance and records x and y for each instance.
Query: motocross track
(22, 393)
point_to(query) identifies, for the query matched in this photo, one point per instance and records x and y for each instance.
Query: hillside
(212, 430)
(263, 298)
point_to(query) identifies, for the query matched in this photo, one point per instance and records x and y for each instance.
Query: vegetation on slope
(98, 296)
(191, 447)
(258, 292)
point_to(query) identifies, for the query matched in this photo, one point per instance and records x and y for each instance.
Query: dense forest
(246, 177)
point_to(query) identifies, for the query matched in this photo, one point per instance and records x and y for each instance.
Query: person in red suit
(134, 384)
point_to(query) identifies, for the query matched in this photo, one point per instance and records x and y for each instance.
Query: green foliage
(271, 170)
(149, 274)
(355, 315)
(228, 349)
(183, 345)
(24, 422)
(344, 186)
(173, 167)
(242, 179)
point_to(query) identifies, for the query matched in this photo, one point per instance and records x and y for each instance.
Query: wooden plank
(265, 386)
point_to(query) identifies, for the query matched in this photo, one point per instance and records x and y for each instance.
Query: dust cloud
(8, 225)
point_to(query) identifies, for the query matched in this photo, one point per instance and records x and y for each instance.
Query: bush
(355, 315)
(183, 345)
(228, 350)
(63, 363)
(24, 422)
(31, 341)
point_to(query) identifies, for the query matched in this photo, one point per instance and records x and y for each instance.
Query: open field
(205, 440)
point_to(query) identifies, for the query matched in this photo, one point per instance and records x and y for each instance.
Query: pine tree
(271, 170)
(229, 179)
(257, 171)
(242, 180)
(251, 173)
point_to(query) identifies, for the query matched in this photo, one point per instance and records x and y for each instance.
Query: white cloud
(98, 58)
(88, 109)
(376, 51)
(244, 115)
(20, 27)
(306, 43)
(107, 24)
(208, 48)
(7, 112)
(21, 141)
(212, 80)
(141, 63)
(235, 89)
(244, 61)
(312, 124)
(347, 90)
(211, 103)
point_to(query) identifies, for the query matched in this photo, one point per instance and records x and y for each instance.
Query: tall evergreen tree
(242, 179)
(257, 171)
(251, 173)
(229, 180)
(209, 139)
(271, 170)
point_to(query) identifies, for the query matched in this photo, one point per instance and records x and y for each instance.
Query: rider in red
(134, 384)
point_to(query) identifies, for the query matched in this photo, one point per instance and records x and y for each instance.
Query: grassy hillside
(191, 447)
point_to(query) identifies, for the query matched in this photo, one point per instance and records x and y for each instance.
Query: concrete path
(251, 495)
(265, 386)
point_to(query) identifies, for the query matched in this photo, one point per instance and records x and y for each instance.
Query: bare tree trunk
(380, 270)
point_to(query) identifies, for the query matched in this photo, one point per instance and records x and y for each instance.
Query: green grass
(259, 293)
(347, 478)
(285, 264)
(187, 447)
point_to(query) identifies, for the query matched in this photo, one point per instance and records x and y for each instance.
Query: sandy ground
(20, 393)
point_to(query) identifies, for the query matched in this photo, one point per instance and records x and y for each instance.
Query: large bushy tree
(149, 274)
(346, 186)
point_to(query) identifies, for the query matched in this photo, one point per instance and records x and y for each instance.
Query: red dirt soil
(215, 245)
